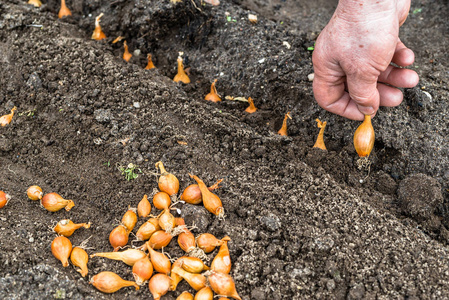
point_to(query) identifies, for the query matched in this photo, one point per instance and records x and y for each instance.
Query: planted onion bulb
(109, 282)
(129, 219)
(251, 108)
(196, 281)
(34, 192)
(150, 64)
(213, 95)
(207, 242)
(161, 263)
(222, 261)
(181, 75)
(6, 119)
(320, 139)
(283, 130)
(61, 247)
(144, 207)
(64, 11)
(185, 296)
(35, 3)
(67, 227)
(210, 201)
(222, 284)
(161, 200)
(98, 34)
(129, 256)
(364, 137)
(142, 270)
(118, 237)
(147, 229)
(192, 193)
(205, 293)
(4, 199)
(79, 259)
(167, 182)
(54, 202)
(159, 285)
(126, 55)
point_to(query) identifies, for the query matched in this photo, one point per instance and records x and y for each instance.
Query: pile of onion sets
(150, 263)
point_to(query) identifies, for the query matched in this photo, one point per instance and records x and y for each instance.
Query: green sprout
(107, 164)
(417, 10)
(28, 113)
(130, 171)
(311, 48)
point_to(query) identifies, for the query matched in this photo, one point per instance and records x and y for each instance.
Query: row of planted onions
(363, 137)
(162, 273)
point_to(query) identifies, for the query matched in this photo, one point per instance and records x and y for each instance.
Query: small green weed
(130, 171)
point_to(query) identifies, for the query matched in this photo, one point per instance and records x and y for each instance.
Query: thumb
(364, 92)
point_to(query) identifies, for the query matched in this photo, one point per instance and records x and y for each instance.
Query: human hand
(352, 56)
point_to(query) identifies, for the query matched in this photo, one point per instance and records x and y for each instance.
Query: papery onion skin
(175, 278)
(129, 256)
(34, 193)
(67, 227)
(142, 270)
(118, 237)
(159, 285)
(129, 219)
(210, 201)
(167, 182)
(126, 55)
(222, 261)
(4, 199)
(207, 242)
(61, 247)
(196, 281)
(109, 282)
(364, 137)
(64, 11)
(185, 296)
(161, 200)
(54, 202)
(79, 259)
(222, 284)
(205, 293)
(167, 220)
(181, 75)
(147, 229)
(161, 263)
(160, 239)
(192, 264)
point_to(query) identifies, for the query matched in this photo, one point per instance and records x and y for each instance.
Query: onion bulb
(144, 207)
(35, 3)
(142, 270)
(159, 285)
(6, 119)
(192, 193)
(129, 219)
(147, 229)
(61, 247)
(320, 139)
(64, 11)
(251, 108)
(210, 201)
(67, 227)
(205, 293)
(161, 263)
(222, 284)
(207, 242)
(364, 137)
(126, 55)
(185, 296)
(98, 34)
(160, 239)
(175, 278)
(196, 281)
(213, 95)
(192, 264)
(167, 182)
(109, 282)
(181, 76)
(54, 202)
(129, 256)
(150, 64)
(161, 200)
(167, 221)
(34, 192)
(186, 239)
(222, 261)
(79, 259)
(118, 237)
(283, 130)
(4, 199)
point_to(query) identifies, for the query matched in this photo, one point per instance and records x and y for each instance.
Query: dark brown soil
(304, 223)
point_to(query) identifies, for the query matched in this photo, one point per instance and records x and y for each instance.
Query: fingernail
(366, 110)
